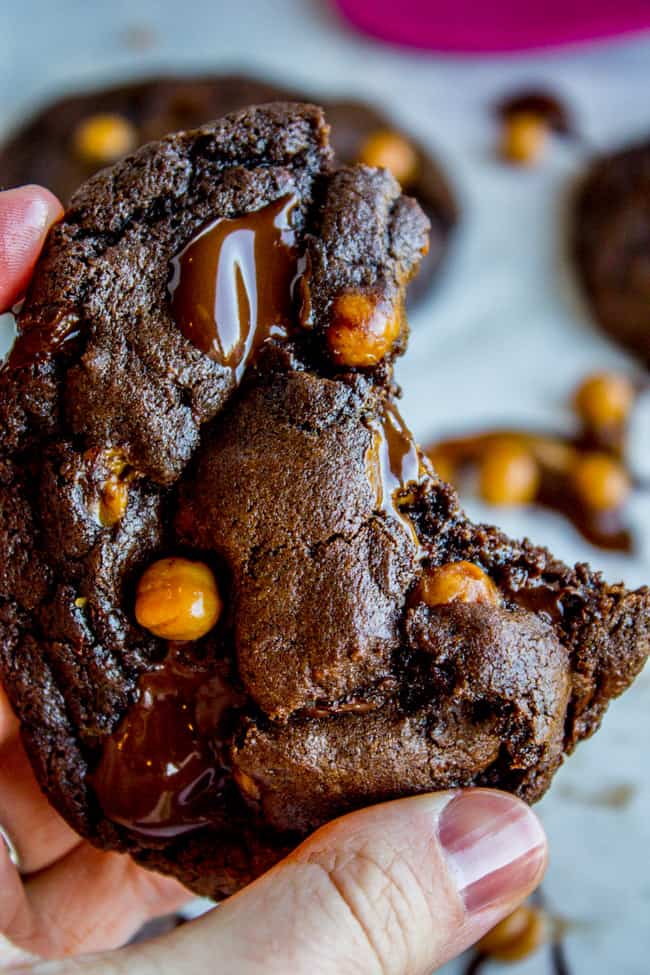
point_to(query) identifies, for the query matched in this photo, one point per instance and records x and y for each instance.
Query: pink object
(500, 25)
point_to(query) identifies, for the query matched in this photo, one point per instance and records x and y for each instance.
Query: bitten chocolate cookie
(611, 245)
(236, 600)
(69, 140)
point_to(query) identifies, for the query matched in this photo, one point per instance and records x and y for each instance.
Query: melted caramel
(393, 465)
(35, 344)
(231, 285)
(539, 597)
(161, 772)
(554, 454)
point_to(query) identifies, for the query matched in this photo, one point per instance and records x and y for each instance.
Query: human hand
(398, 888)
(69, 897)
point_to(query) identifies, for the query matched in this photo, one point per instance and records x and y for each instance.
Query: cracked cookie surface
(350, 635)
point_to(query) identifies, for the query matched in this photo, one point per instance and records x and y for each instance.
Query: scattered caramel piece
(178, 599)
(509, 474)
(604, 399)
(517, 936)
(247, 784)
(457, 582)
(81, 602)
(600, 481)
(363, 329)
(104, 138)
(524, 138)
(386, 149)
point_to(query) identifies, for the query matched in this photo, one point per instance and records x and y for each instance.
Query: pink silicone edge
(470, 27)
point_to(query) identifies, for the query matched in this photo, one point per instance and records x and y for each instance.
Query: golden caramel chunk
(363, 329)
(600, 481)
(104, 138)
(178, 599)
(509, 474)
(604, 399)
(524, 138)
(114, 496)
(113, 501)
(517, 936)
(457, 582)
(385, 149)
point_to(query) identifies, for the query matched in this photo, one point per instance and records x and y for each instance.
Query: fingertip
(26, 215)
(42, 207)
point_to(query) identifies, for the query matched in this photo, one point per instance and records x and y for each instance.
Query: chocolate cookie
(611, 245)
(69, 140)
(236, 600)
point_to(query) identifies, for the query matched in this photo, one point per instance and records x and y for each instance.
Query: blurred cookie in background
(610, 240)
(70, 139)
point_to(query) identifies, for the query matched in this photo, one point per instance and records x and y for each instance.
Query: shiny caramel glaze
(163, 773)
(230, 286)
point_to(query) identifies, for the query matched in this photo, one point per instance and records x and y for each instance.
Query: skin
(399, 888)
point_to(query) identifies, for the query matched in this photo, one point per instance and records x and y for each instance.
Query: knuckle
(375, 891)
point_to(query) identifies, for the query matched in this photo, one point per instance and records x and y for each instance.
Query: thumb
(396, 889)
(26, 215)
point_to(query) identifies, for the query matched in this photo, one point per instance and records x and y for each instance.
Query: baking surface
(501, 342)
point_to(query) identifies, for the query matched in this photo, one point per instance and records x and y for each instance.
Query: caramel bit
(604, 400)
(247, 784)
(363, 329)
(509, 474)
(178, 599)
(104, 138)
(114, 496)
(458, 582)
(113, 501)
(517, 936)
(386, 149)
(524, 138)
(600, 481)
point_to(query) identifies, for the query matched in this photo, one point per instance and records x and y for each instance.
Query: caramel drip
(37, 343)
(230, 286)
(161, 772)
(394, 467)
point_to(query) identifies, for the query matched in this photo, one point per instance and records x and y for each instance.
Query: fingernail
(495, 847)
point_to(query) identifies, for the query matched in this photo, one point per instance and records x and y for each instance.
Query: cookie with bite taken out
(236, 600)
